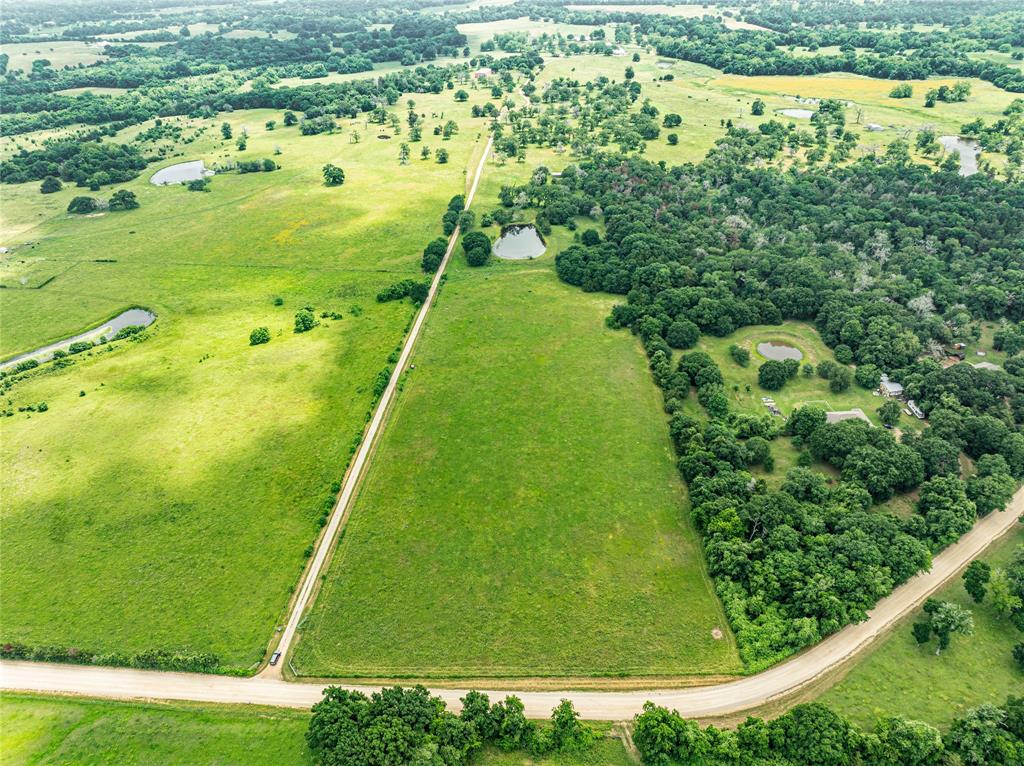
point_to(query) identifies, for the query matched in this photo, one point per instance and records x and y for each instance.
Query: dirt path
(344, 503)
(706, 701)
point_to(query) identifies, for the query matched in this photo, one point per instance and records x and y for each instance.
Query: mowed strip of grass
(523, 515)
(57, 730)
(60, 730)
(901, 678)
(166, 497)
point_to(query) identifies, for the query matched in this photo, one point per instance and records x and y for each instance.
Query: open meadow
(519, 520)
(705, 98)
(898, 677)
(166, 497)
(86, 732)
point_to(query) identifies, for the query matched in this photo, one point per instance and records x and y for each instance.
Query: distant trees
(333, 175)
(85, 163)
(903, 90)
(50, 185)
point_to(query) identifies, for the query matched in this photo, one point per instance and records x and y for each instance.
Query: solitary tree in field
(290, 119)
(461, 95)
(403, 153)
(949, 619)
(304, 320)
(225, 130)
(757, 108)
(333, 175)
(82, 205)
(976, 577)
(442, 156)
(123, 199)
(50, 185)
(259, 336)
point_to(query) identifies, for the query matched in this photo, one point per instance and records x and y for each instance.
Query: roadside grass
(169, 507)
(901, 678)
(523, 515)
(64, 730)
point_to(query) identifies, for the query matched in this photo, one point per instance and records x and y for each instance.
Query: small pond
(778, 351)
(181, 173)
(129, 318)
(803, 114)
(519, 242)
(968, 150)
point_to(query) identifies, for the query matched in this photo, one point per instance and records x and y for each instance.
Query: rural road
(695, 702)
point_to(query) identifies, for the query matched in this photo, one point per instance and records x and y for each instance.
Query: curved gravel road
(732, 697)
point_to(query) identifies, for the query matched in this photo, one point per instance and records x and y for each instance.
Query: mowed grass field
(166, 497)
(523, 515)
(84, 732)
(901, 678)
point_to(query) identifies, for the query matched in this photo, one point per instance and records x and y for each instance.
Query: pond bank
(133, 317)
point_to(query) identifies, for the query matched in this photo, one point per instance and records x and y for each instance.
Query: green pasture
(166, 497)
(60, 53)
(61, 730)
(706, 98)
(85, 732)
(523, 515)
(899, 677)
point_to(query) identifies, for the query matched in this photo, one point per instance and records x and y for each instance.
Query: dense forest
(891, 261)
(398, 726)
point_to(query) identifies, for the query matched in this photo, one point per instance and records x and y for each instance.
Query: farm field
(160, 469)
(59, 53)
(84, 732)
(973, 670)
(518, 520)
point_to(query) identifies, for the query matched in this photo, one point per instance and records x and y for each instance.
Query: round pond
(519, 242)
(181, 173)
(778, 351)
(967, 148)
